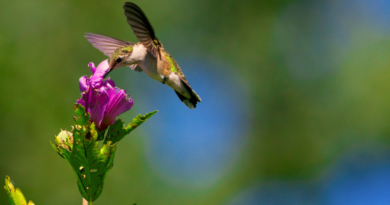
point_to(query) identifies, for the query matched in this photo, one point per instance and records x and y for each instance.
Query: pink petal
(109, 83)
(83, 83)
(96, 103)
(92, 65)
(97, 77)
(118, 104)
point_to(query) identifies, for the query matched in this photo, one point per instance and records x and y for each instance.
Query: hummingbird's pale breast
(147, 62)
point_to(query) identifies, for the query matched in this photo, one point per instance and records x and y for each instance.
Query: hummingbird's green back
(121, 51)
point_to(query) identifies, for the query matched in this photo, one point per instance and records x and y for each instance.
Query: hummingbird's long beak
(108, 71)
(111, 67)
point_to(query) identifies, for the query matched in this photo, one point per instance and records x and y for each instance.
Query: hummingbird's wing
(142, 28)
(108, 45)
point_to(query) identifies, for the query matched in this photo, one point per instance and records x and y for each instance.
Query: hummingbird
(147, 55)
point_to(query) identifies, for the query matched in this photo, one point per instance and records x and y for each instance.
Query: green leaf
(80, 148)
(101, 135)
(117, 131)
(90, 163)
(15, 195)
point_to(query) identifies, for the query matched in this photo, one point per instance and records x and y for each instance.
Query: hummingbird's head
(120, 58)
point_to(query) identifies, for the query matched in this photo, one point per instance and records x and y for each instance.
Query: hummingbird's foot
(165, 78)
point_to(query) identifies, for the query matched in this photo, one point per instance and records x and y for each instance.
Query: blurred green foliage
(15, 194)
(298, 125)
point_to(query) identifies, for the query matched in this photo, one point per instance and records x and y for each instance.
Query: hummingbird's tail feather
(189, 102)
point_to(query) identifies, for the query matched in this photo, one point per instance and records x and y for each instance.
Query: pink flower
(101, 99)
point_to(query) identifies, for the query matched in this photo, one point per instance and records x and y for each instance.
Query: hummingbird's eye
(118, 60)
